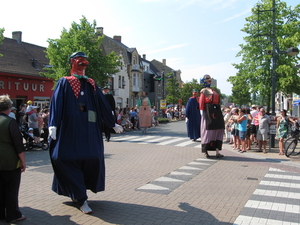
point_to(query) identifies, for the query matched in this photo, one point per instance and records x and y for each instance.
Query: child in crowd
(30, 132)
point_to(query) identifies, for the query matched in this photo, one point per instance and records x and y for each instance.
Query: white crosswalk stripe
(171, 141)
(275, 201)
(157, 140)
(169, 182)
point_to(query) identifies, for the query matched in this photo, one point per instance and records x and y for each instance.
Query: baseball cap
(30, 129)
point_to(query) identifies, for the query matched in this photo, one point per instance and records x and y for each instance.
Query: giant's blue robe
(192, 112)
(77, 154)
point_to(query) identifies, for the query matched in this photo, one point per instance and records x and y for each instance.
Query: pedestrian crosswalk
(169, 182)
(275, 201)
(157, 140)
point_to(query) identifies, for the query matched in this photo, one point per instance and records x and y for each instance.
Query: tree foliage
(173, 89)
(262, 45)
(80, 37)
(187, 89)
(1, 37)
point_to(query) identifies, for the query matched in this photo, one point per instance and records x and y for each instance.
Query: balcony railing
(135, 89)
(135, 67)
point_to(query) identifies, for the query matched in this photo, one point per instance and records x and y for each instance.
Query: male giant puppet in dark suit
(193, 117)
(77, 110)
(111, 101)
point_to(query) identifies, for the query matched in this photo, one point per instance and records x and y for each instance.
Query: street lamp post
(275, 52)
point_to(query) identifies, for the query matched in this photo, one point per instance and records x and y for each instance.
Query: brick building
(20, 68)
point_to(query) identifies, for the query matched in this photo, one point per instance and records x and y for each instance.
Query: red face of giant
(195, 94)
(79, 64)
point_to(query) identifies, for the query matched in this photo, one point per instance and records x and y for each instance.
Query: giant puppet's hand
(186, 119)
(52, 132)
(118, 129)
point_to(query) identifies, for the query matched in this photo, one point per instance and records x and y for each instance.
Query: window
(119, 82)
(135, 82)
(123, 82)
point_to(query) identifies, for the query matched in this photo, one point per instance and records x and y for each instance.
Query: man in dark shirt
(111, 101)
(12, 163)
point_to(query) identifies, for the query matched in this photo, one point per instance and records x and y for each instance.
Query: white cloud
(215, 4)
(235, 16)
(166, 49)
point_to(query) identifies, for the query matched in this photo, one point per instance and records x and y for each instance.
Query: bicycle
(290, 145)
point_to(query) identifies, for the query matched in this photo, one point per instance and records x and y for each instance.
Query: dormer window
(34, 64)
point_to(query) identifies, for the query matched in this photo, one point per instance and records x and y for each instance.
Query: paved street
(163, 178)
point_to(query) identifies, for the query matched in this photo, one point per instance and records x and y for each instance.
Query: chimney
(164, 62)
(118, 38)
(144, 56)
(99, 30)
(17, 35)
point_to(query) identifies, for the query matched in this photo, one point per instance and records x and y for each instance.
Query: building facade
(20, 68)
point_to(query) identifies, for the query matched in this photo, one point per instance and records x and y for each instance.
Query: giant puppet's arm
(201, 103)
(56, 107)
(187, 110)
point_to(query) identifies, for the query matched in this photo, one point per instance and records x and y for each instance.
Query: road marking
(283, 176)
(281, 207)
(153, 187)
(167, 179)
(182, 144)
(170, 182)
(158, 140)
(198, 163)
(180, 173)
(189, 168)
(170, 141)
(279, 184)
(275, 201)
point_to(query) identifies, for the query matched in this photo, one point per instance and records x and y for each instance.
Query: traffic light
(157, 77)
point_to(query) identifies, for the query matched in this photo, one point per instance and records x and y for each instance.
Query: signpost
(272, 130)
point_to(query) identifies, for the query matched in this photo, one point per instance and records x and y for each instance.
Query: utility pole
(274, 61)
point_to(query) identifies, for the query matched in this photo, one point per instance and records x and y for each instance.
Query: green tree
(187, 89)
(1, 37)
(255, 71)
(80, 37)
(173, 89)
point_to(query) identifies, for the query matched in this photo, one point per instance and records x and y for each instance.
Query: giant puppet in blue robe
(193, 116)
(77, 110)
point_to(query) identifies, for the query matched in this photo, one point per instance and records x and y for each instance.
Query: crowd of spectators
(128, 118)
(247, 127)
(175, 113)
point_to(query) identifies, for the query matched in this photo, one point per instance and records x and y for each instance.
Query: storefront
(22, 88)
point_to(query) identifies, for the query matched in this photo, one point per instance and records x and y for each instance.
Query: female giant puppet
(77, 109)
(145, 117)
(212, 123)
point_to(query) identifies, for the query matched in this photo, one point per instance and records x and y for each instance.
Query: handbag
(214, 116)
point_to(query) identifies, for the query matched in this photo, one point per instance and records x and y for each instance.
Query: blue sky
(195, 36)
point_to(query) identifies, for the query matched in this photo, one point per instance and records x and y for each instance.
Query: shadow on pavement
(248, 159)
(128, 214)
(37, 217)
(37, 158)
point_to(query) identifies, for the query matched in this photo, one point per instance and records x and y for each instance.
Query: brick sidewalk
(215, 196)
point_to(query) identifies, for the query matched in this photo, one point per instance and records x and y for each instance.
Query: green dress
(283, 127)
